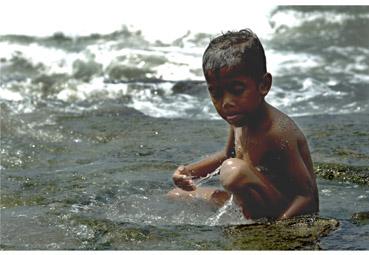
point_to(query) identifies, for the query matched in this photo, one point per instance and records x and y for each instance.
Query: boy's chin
(238, 123)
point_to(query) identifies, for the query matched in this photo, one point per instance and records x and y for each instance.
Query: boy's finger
(181, 168)
(178, 176)
(184, 183)
(189, 188)
(181, 179)
(190, 185)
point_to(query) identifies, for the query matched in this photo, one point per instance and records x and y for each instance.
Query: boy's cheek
(218, 108)
(222, 115)
(216, 104)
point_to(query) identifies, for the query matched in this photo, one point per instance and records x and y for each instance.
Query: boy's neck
(261, 118)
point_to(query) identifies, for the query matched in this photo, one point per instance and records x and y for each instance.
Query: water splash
(214, 220)
(202, 180)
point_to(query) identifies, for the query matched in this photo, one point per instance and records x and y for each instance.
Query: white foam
(54, 60)
(184, 63)
(6, 94)
(292, 18)
(283, 62)
(96, 88)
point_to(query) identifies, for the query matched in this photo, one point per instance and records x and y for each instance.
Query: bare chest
(250, 146)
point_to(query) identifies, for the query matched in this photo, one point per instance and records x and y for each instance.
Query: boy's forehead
(225, 72)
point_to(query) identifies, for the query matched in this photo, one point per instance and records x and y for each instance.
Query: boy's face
(236, 97)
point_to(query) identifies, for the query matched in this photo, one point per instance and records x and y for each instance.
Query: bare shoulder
(284, 131)
(287, 137)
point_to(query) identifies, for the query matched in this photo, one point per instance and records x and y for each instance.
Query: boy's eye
(236, 89)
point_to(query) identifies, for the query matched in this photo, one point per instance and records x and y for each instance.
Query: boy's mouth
(234, 117)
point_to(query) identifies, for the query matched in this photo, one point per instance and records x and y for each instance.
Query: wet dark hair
(233, 49)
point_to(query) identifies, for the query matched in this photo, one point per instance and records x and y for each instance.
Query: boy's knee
(234, 174)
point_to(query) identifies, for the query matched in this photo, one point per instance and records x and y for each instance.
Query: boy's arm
(302, 178)
(204, 166)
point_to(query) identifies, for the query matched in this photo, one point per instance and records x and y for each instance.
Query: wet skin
(271, 174)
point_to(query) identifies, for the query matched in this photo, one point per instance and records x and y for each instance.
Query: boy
(266, 162)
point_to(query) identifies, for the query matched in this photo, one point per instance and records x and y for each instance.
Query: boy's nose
(228, 103)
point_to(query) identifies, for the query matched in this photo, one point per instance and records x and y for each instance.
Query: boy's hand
(183, 179)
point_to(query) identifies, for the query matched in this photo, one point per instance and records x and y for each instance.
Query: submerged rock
(190, 87)
(360, 217)
(297, 233)
(302, 233)
(341, 172)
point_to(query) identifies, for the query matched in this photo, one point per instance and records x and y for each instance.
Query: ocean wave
(317, 56)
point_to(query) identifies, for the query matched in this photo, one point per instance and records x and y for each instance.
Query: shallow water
(340, 201)
(98, 179)
(108, 209)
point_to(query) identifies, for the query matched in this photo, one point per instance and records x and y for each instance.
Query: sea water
(318, 71)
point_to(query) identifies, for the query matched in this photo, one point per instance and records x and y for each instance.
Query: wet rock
(121, 72)
(301, 233)
(19, 68)
(86, 70)
(360, 217)
(342, 172)
(189, 87)
(291, 234)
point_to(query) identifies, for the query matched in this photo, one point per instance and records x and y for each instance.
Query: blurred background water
(317, 55)
(100, 102)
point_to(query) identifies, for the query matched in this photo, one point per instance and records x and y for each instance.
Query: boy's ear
(265, 84)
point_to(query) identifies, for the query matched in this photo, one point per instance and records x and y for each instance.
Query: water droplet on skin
(230, 163)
